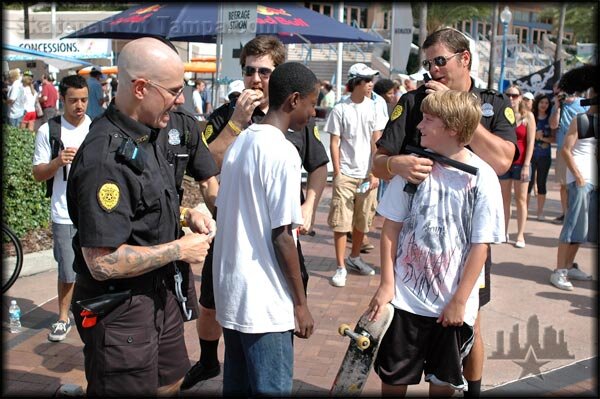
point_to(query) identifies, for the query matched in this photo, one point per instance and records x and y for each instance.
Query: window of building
(537, 35)
(386, 17)
(521, 33)
(324, 9)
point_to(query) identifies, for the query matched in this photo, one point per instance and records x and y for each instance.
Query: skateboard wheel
(342, 329)
(363, 342)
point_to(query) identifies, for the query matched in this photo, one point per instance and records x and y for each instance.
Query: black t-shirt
(184, 148)
(110, 203)
(401, 129)
(307, 142)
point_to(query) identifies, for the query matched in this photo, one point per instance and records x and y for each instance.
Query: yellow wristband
(234, 127)
(387, 165)
(182, 216)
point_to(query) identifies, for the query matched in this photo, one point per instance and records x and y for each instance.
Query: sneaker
(366, 248)
(59, 330)
(357, 264)
(520, 244)
(559, 279)
(575, 273)
(198, 372)
(339, 278)
(541, 218)
(559, 219)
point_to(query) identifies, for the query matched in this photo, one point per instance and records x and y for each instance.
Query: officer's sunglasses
(174, 93)
(263, 71)
(439, 61)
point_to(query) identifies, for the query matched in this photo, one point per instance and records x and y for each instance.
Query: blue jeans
(575, 226)
(258, 364)
(16, 122)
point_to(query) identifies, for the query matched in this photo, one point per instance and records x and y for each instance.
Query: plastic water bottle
(14, 315)
(363, 188)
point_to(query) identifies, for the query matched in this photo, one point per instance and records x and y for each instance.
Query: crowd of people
(126, 266)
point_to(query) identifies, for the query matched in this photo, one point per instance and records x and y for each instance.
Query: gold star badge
(397, 112)
(108, 196)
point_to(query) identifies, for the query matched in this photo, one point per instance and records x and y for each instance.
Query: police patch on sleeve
(397, 112)
(510, 115)
(174, 137)
(204, 140)
(208, 131)
(108, 196)
(316, 133)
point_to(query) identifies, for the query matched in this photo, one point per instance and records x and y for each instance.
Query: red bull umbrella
(199, 23)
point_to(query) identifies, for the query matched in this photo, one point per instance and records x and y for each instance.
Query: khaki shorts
(350, 209)
(560, 169)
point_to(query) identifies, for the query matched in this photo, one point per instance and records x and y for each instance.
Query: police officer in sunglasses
(448, 60)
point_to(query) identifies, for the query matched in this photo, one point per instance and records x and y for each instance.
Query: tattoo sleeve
(128, 260)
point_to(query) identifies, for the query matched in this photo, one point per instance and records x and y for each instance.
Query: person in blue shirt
(96, 94)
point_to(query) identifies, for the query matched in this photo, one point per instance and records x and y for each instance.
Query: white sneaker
(575, 273)
(359, 265)
(339, 278)
(559, 279)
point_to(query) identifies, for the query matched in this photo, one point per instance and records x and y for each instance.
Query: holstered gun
(100, 305)
(411, 188)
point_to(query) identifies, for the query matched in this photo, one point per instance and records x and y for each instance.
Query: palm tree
(581, 18)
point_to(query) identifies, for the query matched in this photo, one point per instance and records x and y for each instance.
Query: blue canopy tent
(199, 23)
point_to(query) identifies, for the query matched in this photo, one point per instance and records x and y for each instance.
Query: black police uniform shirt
(110, 203)
(401, 129)
(308, 142)
(185, 149)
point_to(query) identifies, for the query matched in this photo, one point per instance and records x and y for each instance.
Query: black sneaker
(199, 373)
(559, 219)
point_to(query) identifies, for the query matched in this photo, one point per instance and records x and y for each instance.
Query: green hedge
(25, 206)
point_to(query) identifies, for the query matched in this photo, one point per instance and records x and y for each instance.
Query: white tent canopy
(14, 53)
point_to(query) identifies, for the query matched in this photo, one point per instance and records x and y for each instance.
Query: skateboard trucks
(362, 340)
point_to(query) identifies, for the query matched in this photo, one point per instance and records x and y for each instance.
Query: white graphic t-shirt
(450, 210)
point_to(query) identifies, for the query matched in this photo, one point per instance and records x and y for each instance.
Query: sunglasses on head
(512, 95)
(439, 61)
(263, 72)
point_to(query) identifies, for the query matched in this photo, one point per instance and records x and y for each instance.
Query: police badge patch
(397, 112)
(174, 137)
(108, 196)
(487, 110)
(510, 115)
(316, 133)
(207, 132)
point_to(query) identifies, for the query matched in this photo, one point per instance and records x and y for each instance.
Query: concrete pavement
(525, 311)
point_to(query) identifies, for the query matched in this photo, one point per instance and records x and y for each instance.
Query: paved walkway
(525, 309)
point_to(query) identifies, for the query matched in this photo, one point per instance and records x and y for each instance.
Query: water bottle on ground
(14, 314)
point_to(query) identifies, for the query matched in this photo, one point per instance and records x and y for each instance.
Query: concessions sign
(75, 48)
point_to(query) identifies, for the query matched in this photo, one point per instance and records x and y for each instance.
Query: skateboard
(361, 353)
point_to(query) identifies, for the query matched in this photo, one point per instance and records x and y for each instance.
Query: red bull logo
(271, 11)
(277, 16)
(138, 16)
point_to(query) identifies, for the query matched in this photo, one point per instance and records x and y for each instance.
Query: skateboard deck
(361, 353)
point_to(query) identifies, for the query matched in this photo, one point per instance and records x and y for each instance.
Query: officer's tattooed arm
(132, 261)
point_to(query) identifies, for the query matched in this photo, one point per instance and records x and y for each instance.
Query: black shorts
(415, 344)
(485, 292)
(207, 295)
(136, 348)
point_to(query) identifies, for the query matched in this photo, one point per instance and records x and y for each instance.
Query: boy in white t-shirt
(355, 124)
(433, 247)
(74, 125)
(259, 295)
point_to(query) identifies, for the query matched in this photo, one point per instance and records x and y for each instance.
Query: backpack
(56, 145)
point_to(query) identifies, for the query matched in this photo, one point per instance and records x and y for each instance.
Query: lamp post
(505, 17)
